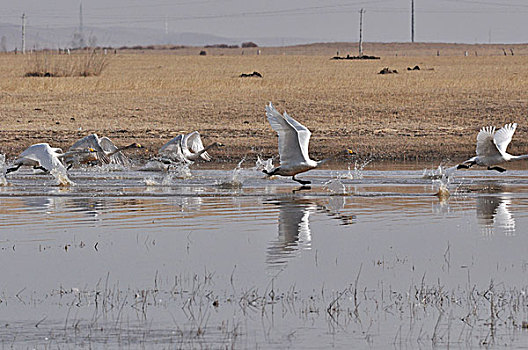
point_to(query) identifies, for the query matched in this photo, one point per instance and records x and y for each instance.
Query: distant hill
(48, 37)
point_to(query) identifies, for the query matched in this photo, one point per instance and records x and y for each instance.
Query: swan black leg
(465, 165)
(499, 169)
(41, 168)
(15, 168)
(302, 182)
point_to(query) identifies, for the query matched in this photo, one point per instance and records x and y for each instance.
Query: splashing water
(335, 186)
(3, 169)
(60, 175)
(439, 173)
(234, 181)
(150, 181)
(357, 173)
(443, 191)
(180, 171)
(112, 167)
(262, 164)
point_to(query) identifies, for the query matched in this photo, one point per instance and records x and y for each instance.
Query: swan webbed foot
(497, 168)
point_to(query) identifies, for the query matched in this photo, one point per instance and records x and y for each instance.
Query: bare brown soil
(150, 96)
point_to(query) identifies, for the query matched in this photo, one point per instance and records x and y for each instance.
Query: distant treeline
(226, 46)
(178, 47)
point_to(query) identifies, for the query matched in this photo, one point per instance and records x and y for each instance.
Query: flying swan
(293, 146)
(105, 151)
(186, 148)
(42, 156)
(491, 148)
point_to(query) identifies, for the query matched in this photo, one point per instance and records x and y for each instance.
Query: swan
(186, 148)
(42, 156)
(293, 146)
(106, 151)
(491, 148)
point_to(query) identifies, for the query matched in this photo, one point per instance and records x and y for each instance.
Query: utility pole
(412, 21)
(80, 19)
(82, 43)
(361, 12)
(23, 33)
(166, 30)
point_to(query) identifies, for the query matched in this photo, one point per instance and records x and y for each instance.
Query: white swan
(293, 145)
(105, 151)
(491, 148)
(42, 156)
(186, 148)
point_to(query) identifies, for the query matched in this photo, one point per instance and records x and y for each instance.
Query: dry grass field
(151, 96)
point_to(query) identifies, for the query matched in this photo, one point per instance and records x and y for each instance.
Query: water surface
(222, 258)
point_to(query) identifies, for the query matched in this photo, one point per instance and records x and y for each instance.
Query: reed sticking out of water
(206, 317)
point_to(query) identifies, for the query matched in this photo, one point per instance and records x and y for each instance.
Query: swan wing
(293, 137)
(485, 142)
(503, 136)
(90, 141)
(116, 158)
(107, 145)
(42, 154)
(173, 149)
(194, 142)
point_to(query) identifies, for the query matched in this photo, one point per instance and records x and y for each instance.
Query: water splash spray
(262, 164)
(357, 173)
(3, 169)
(61, 176)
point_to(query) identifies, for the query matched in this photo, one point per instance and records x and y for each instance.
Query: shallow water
(366, 259)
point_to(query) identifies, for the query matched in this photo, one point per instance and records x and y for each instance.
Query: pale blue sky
(469, 21)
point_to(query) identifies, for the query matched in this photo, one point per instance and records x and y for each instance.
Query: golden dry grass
(149, 97)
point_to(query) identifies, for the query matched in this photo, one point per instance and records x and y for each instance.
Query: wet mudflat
(230, 259)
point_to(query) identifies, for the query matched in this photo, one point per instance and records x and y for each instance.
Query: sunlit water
(231, 258)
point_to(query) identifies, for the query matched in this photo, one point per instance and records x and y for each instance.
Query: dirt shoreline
(429, 115)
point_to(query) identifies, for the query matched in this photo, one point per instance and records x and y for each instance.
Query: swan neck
(523, 156)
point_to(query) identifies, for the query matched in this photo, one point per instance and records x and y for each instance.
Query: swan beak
(350, 151)
(91, 149)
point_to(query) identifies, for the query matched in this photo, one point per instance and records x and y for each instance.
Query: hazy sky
(469, 21)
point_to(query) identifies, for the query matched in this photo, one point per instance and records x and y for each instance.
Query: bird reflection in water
(493, 214)
(295, 235)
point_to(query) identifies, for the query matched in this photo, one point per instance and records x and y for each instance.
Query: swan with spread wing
(491, 148)
(105, 151)
(186, 148)
(293, 146)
